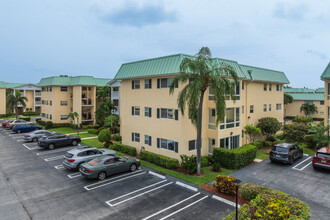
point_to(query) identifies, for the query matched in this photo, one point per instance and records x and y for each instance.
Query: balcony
(87, 102)
(37, 94)
(37, 103)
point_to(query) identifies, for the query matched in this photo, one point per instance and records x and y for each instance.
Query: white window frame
(62, 103)
(208, 145)
(251, 108)
(231, 142)
(167, 144)
(146, 140)
(170, 113)
(136, 137)
(137, 110)
(64, 117)
(270, 107)
(279, 107)
(211, 124)
(265, 108)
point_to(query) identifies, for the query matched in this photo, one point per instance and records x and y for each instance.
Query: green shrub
(6, 115)
(295, 132)
(268, 143)
(279, 136)
(269, 126)
(258, 144)
(49, 124)
(252, 132)
(225, 184)
(243, 213)
(104, 136)
(189, 163)
(250, 191)
(117, 137)
(92, 131)
(159, 160)
(100, 129)
(216, 167)
(210, 159)
(30, 113)
(302, 119)
(236, 158)
(124, 149)
(96, 126)
(315, 141)
(204, 161)
(106, 145)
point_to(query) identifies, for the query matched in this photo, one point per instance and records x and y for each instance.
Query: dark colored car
(58, 140)
(25, 128)
(286, 153)
(322, 158)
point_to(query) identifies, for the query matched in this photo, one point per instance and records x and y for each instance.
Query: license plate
(323, 161)
(277, 155)
(66, 160)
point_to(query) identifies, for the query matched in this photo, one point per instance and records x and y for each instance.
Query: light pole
(237, 182)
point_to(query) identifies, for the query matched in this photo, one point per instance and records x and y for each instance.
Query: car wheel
(78, 166)
(133, 167)
(101, 176)
(51, 146)
(74, 143)
(18, 131)
(291, 161)
(34, 139)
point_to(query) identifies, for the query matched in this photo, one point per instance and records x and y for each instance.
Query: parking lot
(35, 185)
(299, 180)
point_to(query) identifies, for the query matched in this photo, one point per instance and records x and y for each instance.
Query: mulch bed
(241, 200)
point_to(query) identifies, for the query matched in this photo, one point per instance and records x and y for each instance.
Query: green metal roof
(169, 65)
(319, 90)
(298, 90)
(307, 96)
(326, 72)
(10, 85)
(265, 75)
(73, 81)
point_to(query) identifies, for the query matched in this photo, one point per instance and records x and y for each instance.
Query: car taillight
(28, 135)
(88, 171)
(72, 160)
(286, 155)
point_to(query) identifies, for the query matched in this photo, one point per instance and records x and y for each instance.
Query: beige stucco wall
(29, 94)
(3, 101)
(293, 109)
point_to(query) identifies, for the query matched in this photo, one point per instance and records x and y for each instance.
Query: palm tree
(201, 72)
(308, 109)
(14, 100)
(287, 99)
(103, 93)
(74, 115)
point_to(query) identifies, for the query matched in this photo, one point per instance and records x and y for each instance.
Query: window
(265, 87)
(147, 83)
(147, 112)
(242, 85)
(135, 110)
(50, 102)
(64, 103)
(50, 89)
(43, 115)
(135, 84)
(270, 87)
(251, 108)
(237, 117)
(309, 102)
(278, 87)
(230, 142)
(165, 83)
(64, 117)
(135, 137)
(167, 144)
(211, 145)
(64, 89)
(278, 106)
(147, 140)
(43, 102)
(50, 116)
(47, 115)
(47, 102)
(84, 88)
(265, 107)
(167, 113)
(115, 89)
(236, 94)
(212, 119)
(192, 145)
(43, 89)
(270, 107)
(328, 95)
(116, 102)
(231, 119)
(89, 88)
(211, 93)
(321, 102)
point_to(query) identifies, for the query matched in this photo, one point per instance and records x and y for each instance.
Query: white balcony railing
(37, 102)
(38, 94)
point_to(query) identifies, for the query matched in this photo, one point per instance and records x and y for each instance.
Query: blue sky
(44, 38)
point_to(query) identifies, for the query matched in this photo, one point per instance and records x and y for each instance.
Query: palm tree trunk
(16, 112)
(199, 133)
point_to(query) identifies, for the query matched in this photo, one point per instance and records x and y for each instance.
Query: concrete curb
(186, 186)
(225, 201)
(156, 174)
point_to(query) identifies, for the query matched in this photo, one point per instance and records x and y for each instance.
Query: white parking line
(225, 201)
(74, 175)
(59, 167)
(173, 213)
(306, 165)
(20, 140)
(28, 147)
(178, 203)
(186, 186)
(139, 194)
(108, 182)
(156, 174)
(301, 163)
(53, 158)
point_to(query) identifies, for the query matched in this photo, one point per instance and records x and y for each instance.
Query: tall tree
(74, 115)
(103, 93)
(199, 73)
(112, 121)
(14, 100)
(308, 109)
(105, 109)
(287, 99)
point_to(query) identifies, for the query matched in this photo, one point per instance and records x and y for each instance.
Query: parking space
(50, 190)
(299, 180)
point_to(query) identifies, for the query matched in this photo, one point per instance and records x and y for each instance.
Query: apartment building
(31, 91)
(301, 96)
(63, 94)
(115, 94)
(326, 78)
(151, 120)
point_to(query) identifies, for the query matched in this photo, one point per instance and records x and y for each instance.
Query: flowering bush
(225, 184)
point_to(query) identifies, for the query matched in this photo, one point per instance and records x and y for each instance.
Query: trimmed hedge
(96, 126)
(24, 118)
(6, 115)
(56, 125)
(92, 131)
(236, 158)
(30, 113)
(159, 160)
(117, 137)
(258, 144)
(124, 149)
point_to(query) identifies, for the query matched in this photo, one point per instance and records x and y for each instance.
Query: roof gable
(326, 72)
(73, 81)
(265, 75)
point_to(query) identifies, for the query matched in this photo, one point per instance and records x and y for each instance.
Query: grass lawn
(84, 135)
(208, 175)
(65, 130)
(306, 150)
(93, 143)
(261, 154)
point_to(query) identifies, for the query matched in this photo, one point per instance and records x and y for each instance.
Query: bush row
(159, 160)
(189, 163)
(96, 126)
(50, 124)
(24, 118)
(266, 203)
(124, 149)
(30, 113)
(92, 131)
(6, 115)
(236, 158)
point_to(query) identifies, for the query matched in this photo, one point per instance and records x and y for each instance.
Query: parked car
(35, 135)
(322, 158)
(3, 121)
(102, 166)
(19, 128)
(286, 153)
(77, 156)
(15, 122)
(58, 140)
(4, 124)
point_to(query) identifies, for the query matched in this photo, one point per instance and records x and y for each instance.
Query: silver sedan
(35, 135)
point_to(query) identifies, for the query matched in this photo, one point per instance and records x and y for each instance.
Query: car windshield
(94, 162)
(68, 155)
(323, 155)
(280, 149)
